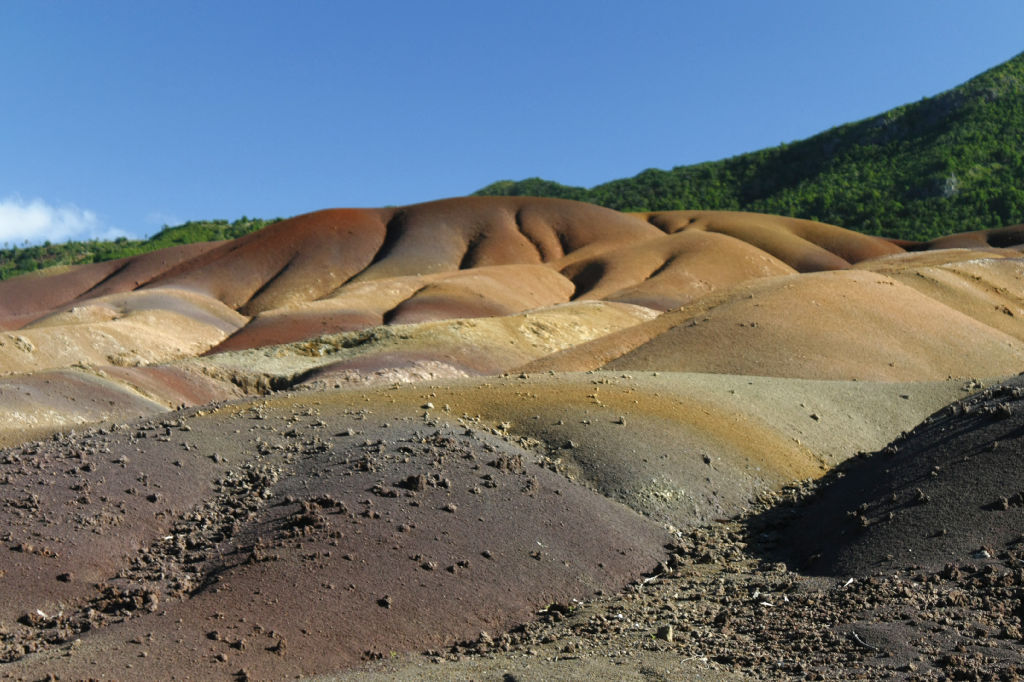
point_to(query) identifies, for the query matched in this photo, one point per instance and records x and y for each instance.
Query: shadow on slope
(950, 491)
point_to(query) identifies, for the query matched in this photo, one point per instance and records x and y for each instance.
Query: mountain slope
(948, 163)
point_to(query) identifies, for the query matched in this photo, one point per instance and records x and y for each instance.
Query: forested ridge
(949, 163)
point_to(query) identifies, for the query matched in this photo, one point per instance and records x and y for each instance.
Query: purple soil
(77, 508)
(240, 552)
(372, 362)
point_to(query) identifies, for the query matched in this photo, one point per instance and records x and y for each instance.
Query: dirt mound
(44, 402)
(173, 385)
(669, 271)
(132, 328)
(26, 298)
(834, 325)
(1011, 237)
(483, 292)
(492, 291)
(239, 536)
(310, 256)
(342, 269)
(299, 259)
(41, 403)
(453, 234)
(477, 345)
(189, 304)
(715, 610)
(679, 448)
(804, 245)
(982, 285)
(950, 491)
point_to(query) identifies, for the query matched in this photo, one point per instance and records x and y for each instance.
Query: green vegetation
(19, 260)
(949, 163)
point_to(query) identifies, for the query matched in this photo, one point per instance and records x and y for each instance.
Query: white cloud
(36, 221)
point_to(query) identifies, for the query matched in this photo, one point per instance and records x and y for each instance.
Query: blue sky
(117, 117)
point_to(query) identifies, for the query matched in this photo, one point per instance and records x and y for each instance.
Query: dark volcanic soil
(950, 490)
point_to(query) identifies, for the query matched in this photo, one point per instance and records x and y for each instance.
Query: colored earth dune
(448, 440)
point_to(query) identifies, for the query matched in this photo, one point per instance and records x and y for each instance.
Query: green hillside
(19, 260)
(949, 163)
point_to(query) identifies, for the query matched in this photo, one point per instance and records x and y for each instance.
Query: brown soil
(824, 325)
(517, 438)
(717, 609)
(425, 532)
(840, 579)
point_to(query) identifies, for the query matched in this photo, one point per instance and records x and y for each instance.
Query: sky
(120, 117)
